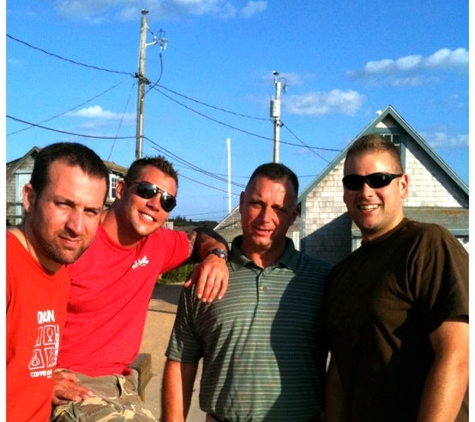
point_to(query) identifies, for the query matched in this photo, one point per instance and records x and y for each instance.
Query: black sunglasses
(374, 180)
(147, 190)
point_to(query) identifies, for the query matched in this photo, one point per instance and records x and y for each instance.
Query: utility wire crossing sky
(71, 76)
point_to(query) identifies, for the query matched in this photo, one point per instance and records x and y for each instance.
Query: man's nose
(76, 221)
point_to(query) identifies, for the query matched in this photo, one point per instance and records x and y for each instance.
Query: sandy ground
(160, 318)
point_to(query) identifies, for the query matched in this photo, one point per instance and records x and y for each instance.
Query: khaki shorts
(115, 399)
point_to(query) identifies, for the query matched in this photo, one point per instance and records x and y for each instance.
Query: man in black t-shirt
(397, 307)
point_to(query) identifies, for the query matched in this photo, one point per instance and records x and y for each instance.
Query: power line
(211, 118)
(160, 89)
(120, 125)
(176, 157)
(304, 144)
(190, 165)
(236, 128)
(69, 60)
(67, 111)
(156, 87)
(214, 107)
(66, 132)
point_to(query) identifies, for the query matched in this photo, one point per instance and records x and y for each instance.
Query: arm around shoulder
(212, 274)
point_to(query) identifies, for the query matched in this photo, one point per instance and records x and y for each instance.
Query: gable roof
(13, 165)
(116, 168)
(375, 127)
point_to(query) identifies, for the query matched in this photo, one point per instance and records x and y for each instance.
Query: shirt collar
(289, 259)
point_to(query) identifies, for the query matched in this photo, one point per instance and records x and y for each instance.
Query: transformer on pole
(275, 113)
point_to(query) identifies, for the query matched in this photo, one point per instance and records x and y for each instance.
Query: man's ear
(404, 186)
(295, 213)
(120, 189)
(29, 197)
(241, 201)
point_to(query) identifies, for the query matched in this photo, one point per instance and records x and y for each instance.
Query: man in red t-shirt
(63, 204)
(111, 286)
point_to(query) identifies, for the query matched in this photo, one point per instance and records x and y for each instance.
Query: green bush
(178, 275)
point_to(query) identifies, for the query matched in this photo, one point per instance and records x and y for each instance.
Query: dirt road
(160, 318)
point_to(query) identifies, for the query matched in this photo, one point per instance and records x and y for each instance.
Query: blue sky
(71, 64)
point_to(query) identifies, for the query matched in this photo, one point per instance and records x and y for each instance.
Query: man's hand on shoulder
(211, 274)
(66, 388)
(211, 277)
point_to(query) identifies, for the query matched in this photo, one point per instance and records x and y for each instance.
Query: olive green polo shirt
(262, 345)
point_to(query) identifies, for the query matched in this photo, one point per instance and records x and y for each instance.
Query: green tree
(178, 275)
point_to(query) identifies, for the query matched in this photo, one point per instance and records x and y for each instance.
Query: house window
(395, 139)
(113, 179)
(21, 179)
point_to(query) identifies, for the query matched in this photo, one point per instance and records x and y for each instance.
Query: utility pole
(228, 142)
(140, 75)
(275, 114)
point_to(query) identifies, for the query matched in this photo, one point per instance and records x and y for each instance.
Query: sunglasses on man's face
(374, 180)
(147, 190)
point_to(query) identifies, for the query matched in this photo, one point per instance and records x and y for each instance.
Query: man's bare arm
(177, 389)
(447, 381)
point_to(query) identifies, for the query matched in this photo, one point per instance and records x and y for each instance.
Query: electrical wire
(236, 128)
(156, 87)
(190, 165)
(82, 135)
(214, 107)
(159, 89)
(67, 111)
(69, 60)
(120, 125)
(211, 118)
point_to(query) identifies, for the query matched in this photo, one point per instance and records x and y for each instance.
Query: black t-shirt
(382, 302)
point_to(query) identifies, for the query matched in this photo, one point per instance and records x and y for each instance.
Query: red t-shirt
(36, 312)
(111, 288)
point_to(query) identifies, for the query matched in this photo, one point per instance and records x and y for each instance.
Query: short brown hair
(72, 154)
(158, 162)
(375, 143)
(277, 172)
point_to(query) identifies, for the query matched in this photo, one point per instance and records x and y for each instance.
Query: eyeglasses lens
(167, 201)
(147, 191)
(374, 180)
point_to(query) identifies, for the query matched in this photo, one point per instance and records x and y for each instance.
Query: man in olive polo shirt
(262, 345)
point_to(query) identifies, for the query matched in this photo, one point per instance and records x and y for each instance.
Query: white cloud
(88, 10)
(98, 113)
(14, 62)
(96, 11)
(253, 8)
(417, 80)
(411, 70)
(441, 139)
(445, 58)
(323, 103)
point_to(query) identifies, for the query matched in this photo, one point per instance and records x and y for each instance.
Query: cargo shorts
(115, 400)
